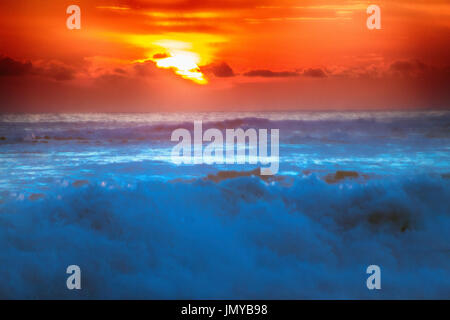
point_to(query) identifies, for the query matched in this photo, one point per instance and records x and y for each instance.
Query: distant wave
(296, 127)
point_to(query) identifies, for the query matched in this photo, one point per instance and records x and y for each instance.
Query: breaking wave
(239, 237)
(296, 127)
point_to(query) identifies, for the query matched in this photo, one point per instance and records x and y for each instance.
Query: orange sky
(177, 55)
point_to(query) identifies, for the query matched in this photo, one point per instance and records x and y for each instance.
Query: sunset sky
(180, 55)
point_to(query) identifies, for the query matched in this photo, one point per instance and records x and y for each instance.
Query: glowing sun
(184, 64)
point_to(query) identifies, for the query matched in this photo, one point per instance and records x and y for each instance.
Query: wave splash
(239, 238)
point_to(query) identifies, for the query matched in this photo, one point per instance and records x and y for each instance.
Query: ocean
(102, 191)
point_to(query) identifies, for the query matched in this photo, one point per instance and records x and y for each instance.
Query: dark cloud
(160, 55)
(404, 69)
(119, 70)
(11, 67)
(145, 69)
(416, 69)
(372, 71)
(56, 71)
(220, 70)
(314, 73)
(270, 74)
(110, 78)
(408, 67)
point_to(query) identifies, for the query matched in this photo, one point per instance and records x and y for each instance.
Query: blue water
(101, 191)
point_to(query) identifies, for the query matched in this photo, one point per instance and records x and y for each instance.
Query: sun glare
(184, 64)
(184, 57)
